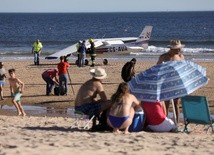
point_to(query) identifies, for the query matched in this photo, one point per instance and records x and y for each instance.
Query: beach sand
(51, 134)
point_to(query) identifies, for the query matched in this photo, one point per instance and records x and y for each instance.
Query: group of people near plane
(118, 111)
(82, 50)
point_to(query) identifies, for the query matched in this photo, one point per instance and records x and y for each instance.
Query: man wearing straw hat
(86, 100)
(175, 53)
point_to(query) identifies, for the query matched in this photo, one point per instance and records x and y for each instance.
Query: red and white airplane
(106, 46)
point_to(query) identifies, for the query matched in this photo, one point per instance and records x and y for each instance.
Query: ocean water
(18, 31)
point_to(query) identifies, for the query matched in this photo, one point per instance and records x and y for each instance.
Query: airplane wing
(64, 52)
(124, 39)
(70, 50)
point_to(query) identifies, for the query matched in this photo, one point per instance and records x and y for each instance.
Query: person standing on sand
(16, 89)
(128, 70)
(63, 75)
(175, 53)
(36, 50)
(2, 79)
(78, 52)
(123, 107)
(82, 54)
(92, 52)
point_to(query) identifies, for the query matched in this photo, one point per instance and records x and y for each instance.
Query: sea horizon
(59, 30)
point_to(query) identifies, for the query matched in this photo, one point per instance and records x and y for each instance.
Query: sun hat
(98, 73)
(175, 44)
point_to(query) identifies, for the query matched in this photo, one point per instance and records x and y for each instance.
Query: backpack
(127, 71)
(56, 91)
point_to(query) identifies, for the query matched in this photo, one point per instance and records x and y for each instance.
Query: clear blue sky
(105, 5)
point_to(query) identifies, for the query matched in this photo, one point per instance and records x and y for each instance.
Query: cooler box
(138, 122)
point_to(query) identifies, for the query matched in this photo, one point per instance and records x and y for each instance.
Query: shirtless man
(86, 100)
(175, 53)
(16, 89)
(123, 109)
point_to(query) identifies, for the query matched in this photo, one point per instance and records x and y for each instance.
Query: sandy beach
(51, 133)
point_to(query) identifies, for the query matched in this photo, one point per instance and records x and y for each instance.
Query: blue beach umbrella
(168, 80)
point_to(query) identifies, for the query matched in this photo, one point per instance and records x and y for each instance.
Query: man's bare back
(89, 91)
(170, 56)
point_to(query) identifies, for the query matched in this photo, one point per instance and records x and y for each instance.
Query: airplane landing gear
(86, 62)
(77, 62)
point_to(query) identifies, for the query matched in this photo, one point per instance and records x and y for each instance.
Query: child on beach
(16, 89)
(123, 109)
(2, 79)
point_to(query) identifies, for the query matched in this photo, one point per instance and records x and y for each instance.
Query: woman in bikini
(123, 109)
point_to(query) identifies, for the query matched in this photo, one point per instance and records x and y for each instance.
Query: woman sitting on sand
(122, 111)
(156, 119)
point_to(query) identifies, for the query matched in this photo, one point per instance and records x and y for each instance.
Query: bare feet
(19, 114)
(24, 114)
(126, 132)
(116, 131)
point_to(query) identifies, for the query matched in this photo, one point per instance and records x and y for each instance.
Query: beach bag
(56, 90)
(138, 122)
(126, 72)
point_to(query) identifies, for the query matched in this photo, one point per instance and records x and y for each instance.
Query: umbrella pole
(174, 113)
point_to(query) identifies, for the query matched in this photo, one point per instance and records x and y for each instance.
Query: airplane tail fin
(144, 37)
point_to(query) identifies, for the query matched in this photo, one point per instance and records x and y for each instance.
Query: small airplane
(106, 46)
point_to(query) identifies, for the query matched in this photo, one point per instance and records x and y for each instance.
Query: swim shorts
(89, 108)
(17, 96)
